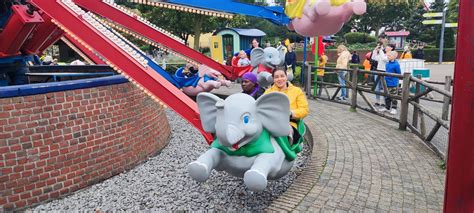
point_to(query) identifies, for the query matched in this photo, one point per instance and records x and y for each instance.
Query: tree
(439, 6)
(419, 31)
(184, 24)
(453, 11)
(180, 23)
(380, 15)
(372, 20)
(393, 15)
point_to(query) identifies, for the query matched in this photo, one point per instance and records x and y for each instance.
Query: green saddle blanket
(263, 145)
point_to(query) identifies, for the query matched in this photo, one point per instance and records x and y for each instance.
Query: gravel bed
(163, 184)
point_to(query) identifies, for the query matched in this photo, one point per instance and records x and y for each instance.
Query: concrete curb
(436, 63)
(300, 188)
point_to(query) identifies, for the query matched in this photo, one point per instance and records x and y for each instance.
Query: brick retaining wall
(56, 143)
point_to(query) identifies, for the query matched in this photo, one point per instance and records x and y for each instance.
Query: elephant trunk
(231, 136)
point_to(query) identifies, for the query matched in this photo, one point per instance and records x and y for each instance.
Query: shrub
(359, 46)
(357, 37)
(432, 55)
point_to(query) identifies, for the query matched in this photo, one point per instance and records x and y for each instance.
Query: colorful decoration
(248, 140)
(325, 17)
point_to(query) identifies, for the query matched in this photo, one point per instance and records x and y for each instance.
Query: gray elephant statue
(250, 138)
(264, 62)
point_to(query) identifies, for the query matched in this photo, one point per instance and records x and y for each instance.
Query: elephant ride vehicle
(251, 138)
(240, 70)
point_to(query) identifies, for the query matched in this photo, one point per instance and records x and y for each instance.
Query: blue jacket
(392, 67)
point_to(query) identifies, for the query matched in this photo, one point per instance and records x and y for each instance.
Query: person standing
(323, 60)
(290, 59)
(406, 53)
(367, 67)
(282, 47)
(343, 63)
(355, 58)
(253, 45)
(419, 54)
(379, 54)
(392, 66)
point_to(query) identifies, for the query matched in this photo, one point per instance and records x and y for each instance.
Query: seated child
(243, 61)
(190, 70)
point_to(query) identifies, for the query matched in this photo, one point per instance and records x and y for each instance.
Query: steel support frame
(89, 54)
(459, 191)
(119, 17)
(274, 14)
(146, 77)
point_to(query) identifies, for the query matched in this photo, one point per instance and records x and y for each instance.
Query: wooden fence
(360, 87)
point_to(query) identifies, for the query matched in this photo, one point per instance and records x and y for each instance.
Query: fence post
(308, 81)
(446, 99)
(415, 109)
(355, 73)
(404, 104)
(315, 88)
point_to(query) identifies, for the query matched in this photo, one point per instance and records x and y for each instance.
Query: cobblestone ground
(440, 140)
(438, 73)
(369, 166)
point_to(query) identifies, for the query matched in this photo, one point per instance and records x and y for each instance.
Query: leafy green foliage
(182, 24)
(442, 165)
(432, 54)
(418, 31)
(357, 37)
(391, 16)
(453, 11)
(407, 15)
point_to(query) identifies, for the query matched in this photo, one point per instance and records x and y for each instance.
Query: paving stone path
(361, 162)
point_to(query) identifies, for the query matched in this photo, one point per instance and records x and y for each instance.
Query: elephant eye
(246, 119)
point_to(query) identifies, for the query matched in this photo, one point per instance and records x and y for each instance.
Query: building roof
(245, 32)
(397, 33)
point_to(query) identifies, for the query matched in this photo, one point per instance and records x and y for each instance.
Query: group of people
(386, 56)
(382, 58)
(298, 102)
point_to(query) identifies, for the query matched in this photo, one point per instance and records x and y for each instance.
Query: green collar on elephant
(258, 146)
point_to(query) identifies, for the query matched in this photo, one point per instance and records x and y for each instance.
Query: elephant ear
(272, 57)
(208, 110)
(273, 110)
(257, 56)
(281, 53)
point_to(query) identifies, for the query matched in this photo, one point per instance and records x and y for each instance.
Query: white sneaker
(382, 109)
(393, 111)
